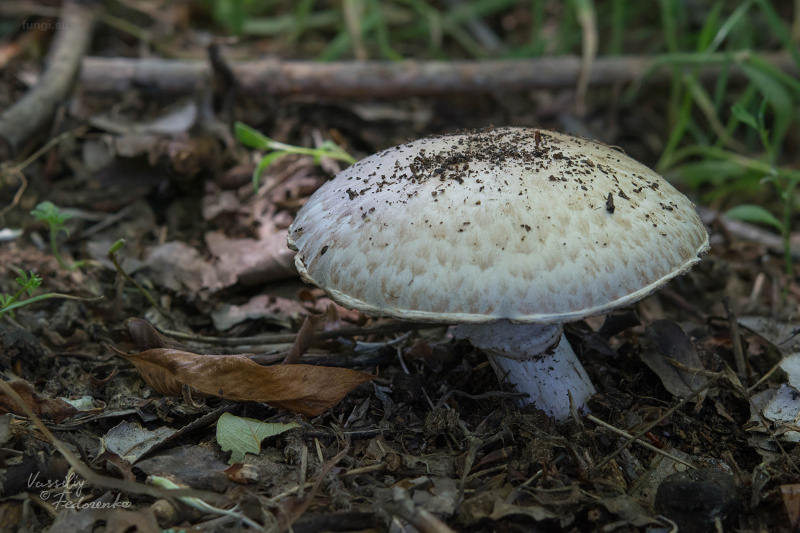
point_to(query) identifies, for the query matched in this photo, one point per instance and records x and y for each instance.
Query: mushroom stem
(535, 359)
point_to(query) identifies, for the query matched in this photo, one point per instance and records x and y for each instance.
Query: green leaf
(779, 98)
(47, 296)
(230, 13)
(244, 435)
(49, 212)
(780, 30)
(251, 137)
(117, 246)
(711, 171)
(744, 115)
(265, 162)
(709, 28)
(754, 213)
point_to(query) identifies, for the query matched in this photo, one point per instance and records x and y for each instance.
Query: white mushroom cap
(515, 223)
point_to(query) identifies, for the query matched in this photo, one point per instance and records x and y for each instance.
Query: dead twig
(636, 440)
(23, 119)
(742, 368)
(23, 184)
(388, 79)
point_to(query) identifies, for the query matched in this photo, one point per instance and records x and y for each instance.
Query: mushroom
(509, 233)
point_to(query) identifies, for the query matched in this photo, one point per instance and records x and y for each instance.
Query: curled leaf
(54, 408)
(305, 389)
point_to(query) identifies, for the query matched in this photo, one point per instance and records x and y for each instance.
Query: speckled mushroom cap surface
(522, 224)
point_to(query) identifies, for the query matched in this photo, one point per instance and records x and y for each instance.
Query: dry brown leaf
(305, 389)
(8, 51)
(248, 261)
(54, 408)
(668, 341)
(144, 335)
(791, 501)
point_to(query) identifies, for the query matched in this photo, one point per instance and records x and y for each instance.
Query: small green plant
(50, 213)
(28, 283)
(255, 139)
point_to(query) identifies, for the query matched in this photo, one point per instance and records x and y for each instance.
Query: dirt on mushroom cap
(529, 225)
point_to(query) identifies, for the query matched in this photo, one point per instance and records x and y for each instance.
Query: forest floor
(430, 437)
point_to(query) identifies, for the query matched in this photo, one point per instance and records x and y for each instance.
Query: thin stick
(736, 340)
(636, 440)
(388, 79)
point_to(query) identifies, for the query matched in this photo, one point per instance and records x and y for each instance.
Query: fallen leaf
(240, 435)
(252, 261)
(191, 465)
(780, 406)
(144, 335)
(669, 341)
(305, 389)
(179, 267)
(776, 333)
(791, 501)
(503, 509)
(131, 441)
(271, 309)
(791, 365)
(242, 474)
(53, 408)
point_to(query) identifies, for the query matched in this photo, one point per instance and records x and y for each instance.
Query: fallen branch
(20, 121)
(397, 79)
